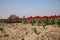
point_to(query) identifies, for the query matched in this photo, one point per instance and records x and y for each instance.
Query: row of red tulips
(45, 20)
(30, 17)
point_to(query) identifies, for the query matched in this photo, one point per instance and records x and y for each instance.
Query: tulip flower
(30, 21)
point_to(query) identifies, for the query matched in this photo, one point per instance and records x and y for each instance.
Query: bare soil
(19, 31)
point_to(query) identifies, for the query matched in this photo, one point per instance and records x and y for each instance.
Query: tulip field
(44, 20)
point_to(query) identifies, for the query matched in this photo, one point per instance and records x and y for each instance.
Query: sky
(29, 8)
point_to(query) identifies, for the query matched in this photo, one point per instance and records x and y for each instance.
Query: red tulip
(30, 17)
(23, 19)
(58, 16)
(37, 17)
(30, 21)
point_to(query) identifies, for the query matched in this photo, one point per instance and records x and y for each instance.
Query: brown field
(19, 31)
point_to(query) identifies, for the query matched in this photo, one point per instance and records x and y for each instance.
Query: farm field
(20, 31)
(29, 19)
(30, 28)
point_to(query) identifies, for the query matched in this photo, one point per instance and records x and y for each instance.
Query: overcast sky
(29, 7)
